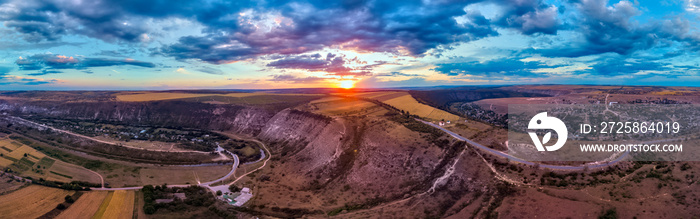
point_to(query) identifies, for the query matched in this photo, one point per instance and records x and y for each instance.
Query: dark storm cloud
(493, 68)
(46, 62)
(332, 64)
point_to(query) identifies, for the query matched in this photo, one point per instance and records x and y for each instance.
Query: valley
(326, 154)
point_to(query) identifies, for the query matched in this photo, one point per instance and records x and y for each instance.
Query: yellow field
(8, 144)
(120, 206)
(242, 94)
(140, 97)
(342, 106)
(369, 94)
(411, 105)
(5, 162)
(77, 172)
(103, 206)
(157, 96)
(19, 153)
(85, 206)
(326, 99)
(73, 172)
(31, 202)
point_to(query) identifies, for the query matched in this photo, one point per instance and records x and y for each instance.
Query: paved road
(205, 184)
(510, 157)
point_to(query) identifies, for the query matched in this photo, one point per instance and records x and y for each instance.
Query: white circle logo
(542, 121)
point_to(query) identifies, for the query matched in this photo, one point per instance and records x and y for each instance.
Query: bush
(609, 214)
(234, 188)
(69, 199)
(60, 206)
(149, 209)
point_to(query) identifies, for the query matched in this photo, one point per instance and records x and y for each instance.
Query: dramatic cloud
(18, 80)
(407, 28)
(613, 29)
(529, 16)
(493, 68)
(600, 38)
(210, 70)
(296, 79)
(692, 5)
(45, 72)
(622, 66)
(396, 73)
(47, 62)
(109, 20)
(331, 64)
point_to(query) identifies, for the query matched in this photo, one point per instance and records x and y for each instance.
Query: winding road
(205, 184)
(256, 169)
(519, 160)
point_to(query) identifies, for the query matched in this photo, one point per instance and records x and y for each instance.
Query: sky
(212, 44)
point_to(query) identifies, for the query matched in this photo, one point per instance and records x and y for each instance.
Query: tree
(234, 188)
(609, 214)
(60, 206)
(69, 199)
(149, 209)
(218, 193)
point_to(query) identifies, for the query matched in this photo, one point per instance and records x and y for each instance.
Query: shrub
(234, 188)
(69, 199)
(609, 214)
(149, 209)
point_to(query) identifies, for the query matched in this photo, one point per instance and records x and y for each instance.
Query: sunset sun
(347, 84)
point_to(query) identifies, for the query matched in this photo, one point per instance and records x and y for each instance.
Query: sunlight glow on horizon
(347, 84)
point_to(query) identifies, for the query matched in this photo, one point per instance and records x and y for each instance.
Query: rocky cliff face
(288, 127)
(319, 163)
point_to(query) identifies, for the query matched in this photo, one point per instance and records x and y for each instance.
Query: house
(448, 122)
(441, 123)
(239, 198)
(245, 190)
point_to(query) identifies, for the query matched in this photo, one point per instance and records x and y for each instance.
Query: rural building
(238, 198)
(244, 197)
